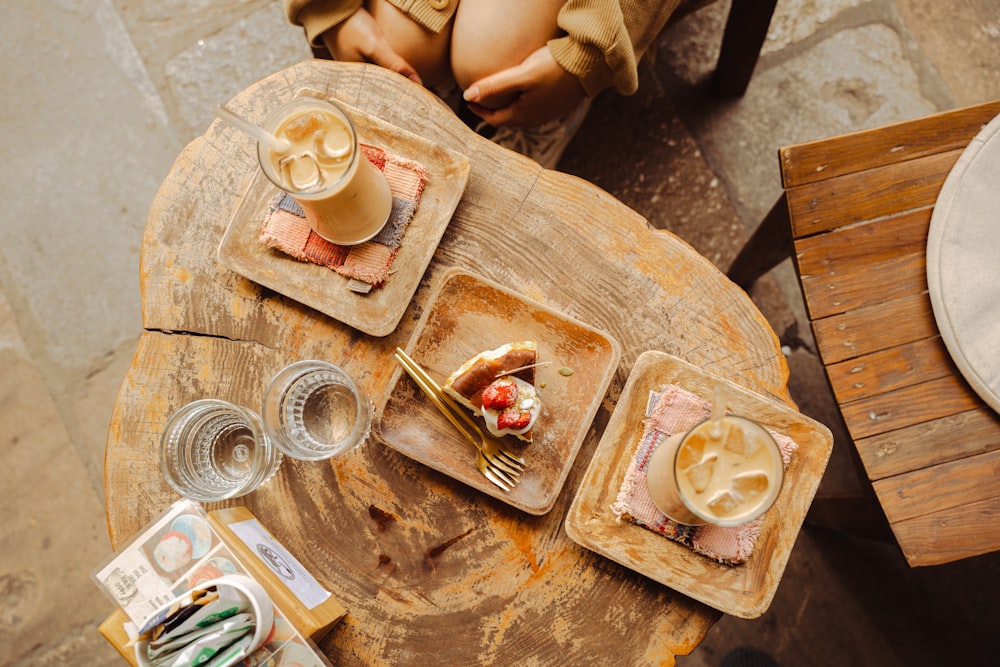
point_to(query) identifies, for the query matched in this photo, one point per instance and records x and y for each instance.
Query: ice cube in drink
(723, 503)
(740, 443)
(701, 473)
(691, 452)
(750, 485)
(300, 172)
(301, 128)
(333, 146)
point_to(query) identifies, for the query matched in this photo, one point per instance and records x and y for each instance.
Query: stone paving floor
(101, 96)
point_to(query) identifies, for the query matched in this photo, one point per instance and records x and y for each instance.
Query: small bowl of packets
(222, 621)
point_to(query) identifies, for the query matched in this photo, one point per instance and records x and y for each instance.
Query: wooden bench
(856, 212)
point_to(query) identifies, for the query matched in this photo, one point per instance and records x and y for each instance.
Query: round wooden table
(515, 589)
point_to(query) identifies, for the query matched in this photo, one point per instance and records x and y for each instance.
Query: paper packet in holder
(185, 548)
(223, 620)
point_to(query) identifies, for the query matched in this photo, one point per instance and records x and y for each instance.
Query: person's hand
(534, 92)
(360, 39)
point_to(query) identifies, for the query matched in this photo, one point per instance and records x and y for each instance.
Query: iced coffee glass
(725, 472)
(346, 199)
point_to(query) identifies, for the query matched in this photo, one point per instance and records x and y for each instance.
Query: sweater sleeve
(318, 16)
(605, 39)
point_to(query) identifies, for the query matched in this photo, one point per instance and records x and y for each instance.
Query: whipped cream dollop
(510, 406)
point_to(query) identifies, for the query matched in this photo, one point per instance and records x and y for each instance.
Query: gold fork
(492, 447)
(498, 465)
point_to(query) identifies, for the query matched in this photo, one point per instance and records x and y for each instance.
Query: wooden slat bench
(856, 212)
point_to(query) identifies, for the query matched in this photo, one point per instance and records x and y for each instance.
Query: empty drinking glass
(313, 410)
(211, 450)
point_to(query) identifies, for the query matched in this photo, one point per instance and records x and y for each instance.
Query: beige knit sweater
(603, 40)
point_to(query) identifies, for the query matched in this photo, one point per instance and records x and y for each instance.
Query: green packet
(230, 626)
(197, 609)
(217, 624)
(207, 649)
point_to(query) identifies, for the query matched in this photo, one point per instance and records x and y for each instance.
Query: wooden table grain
(430, 571)
(858, 211)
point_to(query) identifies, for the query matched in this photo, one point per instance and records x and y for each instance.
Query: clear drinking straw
(260, 134)
(718, 409)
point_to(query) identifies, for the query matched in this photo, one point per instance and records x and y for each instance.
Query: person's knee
(425, 51)
(489, 36)
(479, 53)
(431, 64)
(467, 69)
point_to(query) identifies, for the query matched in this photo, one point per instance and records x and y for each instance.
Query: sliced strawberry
(500, 395)
(513, 419)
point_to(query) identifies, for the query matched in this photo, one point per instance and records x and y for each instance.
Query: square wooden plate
(467, 315)
(744, 590)
(378, 312)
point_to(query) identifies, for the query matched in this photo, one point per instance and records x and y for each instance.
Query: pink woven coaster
(675, 410)
(285, 226)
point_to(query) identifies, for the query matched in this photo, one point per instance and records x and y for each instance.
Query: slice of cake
(507, 401)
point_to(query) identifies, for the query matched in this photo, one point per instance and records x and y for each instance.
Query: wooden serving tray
(467, 315)
(744, 590)
(378, 312)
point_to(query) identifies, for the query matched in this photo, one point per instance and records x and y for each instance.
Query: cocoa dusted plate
(466, 315)
(378, 312)
(744, 590)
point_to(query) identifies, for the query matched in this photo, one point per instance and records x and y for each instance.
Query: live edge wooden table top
(860, 208)
(458, 577)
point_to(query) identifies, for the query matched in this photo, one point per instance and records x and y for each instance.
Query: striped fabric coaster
(367, 264)
(675, 410)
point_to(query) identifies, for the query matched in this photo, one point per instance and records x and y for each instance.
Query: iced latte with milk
(346, 199)
(725, 472)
